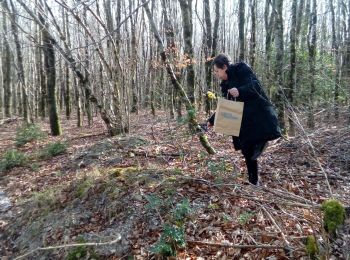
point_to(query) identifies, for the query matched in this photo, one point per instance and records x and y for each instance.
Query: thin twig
(68, 245)
(276, 225)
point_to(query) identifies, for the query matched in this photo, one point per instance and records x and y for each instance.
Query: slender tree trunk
(312, 60)
(67, 92)
(252, 48)
(241, 21)
(87, 101)
(336, 58)
(216, 28)
(208, 44)
(279, 64)
(290, 93)
(300, 19)
(269, 27)
(49, 54)
(186, 11)
(6, 67)
(135, 101)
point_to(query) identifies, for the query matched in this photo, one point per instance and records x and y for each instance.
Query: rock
(5, 203)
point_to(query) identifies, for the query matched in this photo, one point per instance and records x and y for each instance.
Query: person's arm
(250, 90)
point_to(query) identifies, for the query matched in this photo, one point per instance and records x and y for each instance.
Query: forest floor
(156, 189)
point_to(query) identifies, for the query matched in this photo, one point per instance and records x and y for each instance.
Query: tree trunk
(290, 93)
(312, 60)
(252, 49)
(269, 26)
(336, 58)
(87, 102)
(186, 11)
(50, 70)
(208, 53)
(133, 67)
(279, 63)
(67, 94)
(241, 18)
(6, 67)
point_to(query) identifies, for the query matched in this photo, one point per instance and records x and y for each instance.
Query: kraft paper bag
(228, 117)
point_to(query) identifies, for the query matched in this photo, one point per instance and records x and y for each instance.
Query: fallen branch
(236, 246)
(67, 246)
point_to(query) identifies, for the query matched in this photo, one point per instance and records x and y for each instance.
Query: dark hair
(221, 60)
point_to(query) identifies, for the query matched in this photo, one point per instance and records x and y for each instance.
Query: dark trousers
(251, 154)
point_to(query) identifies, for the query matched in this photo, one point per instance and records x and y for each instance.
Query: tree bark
(336, 58)
(187, 23)
(279, 63)
(312, 60)
(50, 70)
(6, 67)
(252, 49)
(241, 21)
(290, 93)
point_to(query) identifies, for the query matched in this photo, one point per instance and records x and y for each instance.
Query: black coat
(259, 122)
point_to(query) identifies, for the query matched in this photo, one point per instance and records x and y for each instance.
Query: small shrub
(181, 211)
(83, 187)
(28, 133)
(311, 247)
(46, 200)
(12, 158)
(173, 237)
(334, 215)
(53, 149)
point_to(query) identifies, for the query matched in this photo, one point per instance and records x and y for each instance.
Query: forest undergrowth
(156, 193)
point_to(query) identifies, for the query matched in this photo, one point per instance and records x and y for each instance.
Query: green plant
(245, 217)
(311, 247)
(53, 149)
(34, 167)
(181, 211)
(12, 158)
(334, 215)
(28, 133)
(46, 200)
(217, 167)
(82, 187)
(173, 237)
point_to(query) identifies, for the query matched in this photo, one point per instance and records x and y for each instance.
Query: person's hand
(233, 92)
